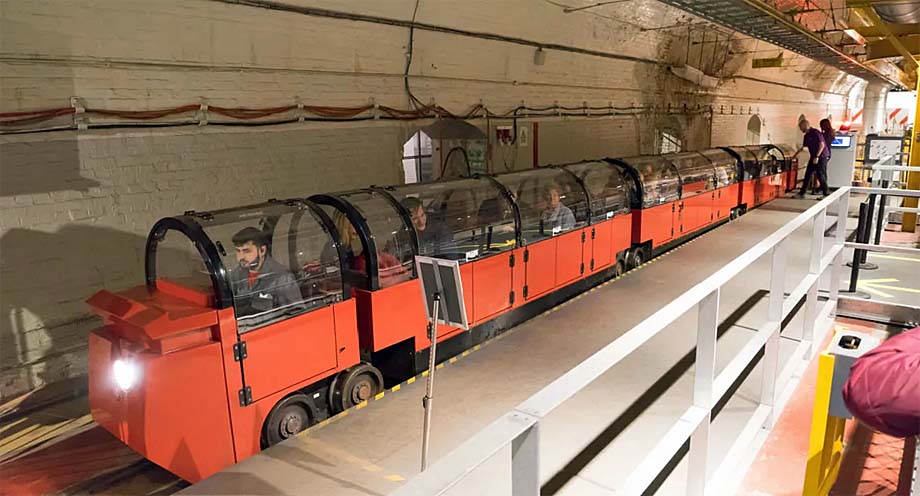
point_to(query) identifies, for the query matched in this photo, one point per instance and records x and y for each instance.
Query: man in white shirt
(556, 216)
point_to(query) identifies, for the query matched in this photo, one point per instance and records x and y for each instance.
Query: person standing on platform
(829, 134)
(817, 157)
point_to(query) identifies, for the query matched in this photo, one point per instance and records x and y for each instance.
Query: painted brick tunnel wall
(75, 207)
(83, 206)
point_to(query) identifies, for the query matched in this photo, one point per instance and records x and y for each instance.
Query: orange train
(256, 322)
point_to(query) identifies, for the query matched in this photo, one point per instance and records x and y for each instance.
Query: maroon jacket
(883, 390)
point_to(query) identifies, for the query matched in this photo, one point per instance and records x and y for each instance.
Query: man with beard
(259, 283)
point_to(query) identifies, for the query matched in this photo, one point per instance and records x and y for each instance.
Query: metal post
(881, 215)
(768, 391)
(861, 237)
(428, 400)
(809, 323)
(704, 374)
(817, 242)
(870, 210)
(525, 463)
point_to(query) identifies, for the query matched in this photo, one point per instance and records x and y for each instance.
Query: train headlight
(126, 374)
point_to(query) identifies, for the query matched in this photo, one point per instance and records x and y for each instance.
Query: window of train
(550, 201)
(395, 250)
(696, 174)
(459, 220)
(273, 255)
(660, 183)
(608, 189)
(773, 160)
(750, 165)
(179, 262)
(726, 167)
(354, 266)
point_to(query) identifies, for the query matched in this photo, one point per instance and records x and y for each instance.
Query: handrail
(519, 427)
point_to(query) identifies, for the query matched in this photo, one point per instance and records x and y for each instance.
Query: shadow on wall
(59, 169)
(47, 277)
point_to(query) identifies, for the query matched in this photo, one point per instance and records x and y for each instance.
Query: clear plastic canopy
(275, 259)
(607, 186)
(550, 202)
(697, 174)
(459, 220)
(659, 179)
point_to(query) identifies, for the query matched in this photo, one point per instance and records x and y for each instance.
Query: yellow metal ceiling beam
(909, 61)
(896, 29)
(886, 49)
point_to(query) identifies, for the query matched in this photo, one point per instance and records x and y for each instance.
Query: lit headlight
(126, 374)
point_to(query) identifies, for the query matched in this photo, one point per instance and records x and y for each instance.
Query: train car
(790, 164)
(256, 322)
(678, 195)
(728, 187)
(750, 173)
(770, 184)
(209, 360)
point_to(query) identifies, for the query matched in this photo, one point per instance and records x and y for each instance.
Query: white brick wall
(59, 247)
(75, 207)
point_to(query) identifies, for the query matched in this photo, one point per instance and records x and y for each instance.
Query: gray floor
(594, 440)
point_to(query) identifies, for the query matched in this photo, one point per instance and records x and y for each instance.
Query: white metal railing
(886, 173)
(520, 427)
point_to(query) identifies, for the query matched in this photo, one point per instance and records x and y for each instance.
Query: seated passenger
(555, 215)
(259, 283)
(431, 237)
(388, 266)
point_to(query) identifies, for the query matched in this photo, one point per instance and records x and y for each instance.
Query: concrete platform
(594, 440)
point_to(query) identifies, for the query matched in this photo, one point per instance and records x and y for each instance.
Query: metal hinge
(583, 236)
(672, 207)
(592, 233)
(511, 298)
(526, 255)
(582, 268)
(245, 396)
(525, 291)
(511, 260)
(672, 231)
(592, 264)
(239, 351)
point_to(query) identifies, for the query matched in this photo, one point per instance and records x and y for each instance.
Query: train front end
(156, 371)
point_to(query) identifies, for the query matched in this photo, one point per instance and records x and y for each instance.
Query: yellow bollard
(825, 445)
(909, 220)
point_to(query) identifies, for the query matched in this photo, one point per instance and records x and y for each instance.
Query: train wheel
(619, 269)
(287, 419)
(734, 214)
(356, 385)
(636, 258)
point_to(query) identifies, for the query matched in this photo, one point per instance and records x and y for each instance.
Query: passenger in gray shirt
(555, 215)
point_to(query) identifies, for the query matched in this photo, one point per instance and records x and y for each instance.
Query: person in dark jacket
(259, 283)
(883, 390)
(432, 236)
(829, 134)
(817, 157)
